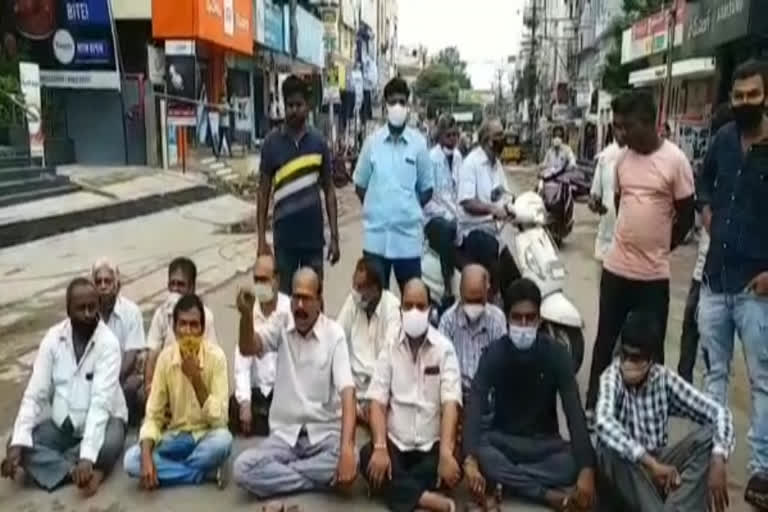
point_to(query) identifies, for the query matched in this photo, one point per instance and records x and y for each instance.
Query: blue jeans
(180, 460)
(721, 316)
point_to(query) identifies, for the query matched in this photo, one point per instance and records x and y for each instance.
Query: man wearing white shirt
(76, 375)
(416, 396)
(442, 210)
(255, 376)
(602, 198)
(123, 317)
(482, 194)
(311, 445)
(182, 280)
(370, 318)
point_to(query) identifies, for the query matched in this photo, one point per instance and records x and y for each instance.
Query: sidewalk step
(25, 173)
(8, 188)
(217, 165)
(208, 160)
(33, 195)
(23, 231)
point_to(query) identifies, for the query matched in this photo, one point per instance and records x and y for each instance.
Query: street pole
(532, 74)
(670, 48)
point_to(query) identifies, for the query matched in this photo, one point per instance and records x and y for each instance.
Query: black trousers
(689, 339)
(413, 474)
(620, 296)
(482, 248)
(441, 235)
(289, 260)
(259, 414)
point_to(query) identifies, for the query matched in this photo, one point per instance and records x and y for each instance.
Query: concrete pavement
(34, 275)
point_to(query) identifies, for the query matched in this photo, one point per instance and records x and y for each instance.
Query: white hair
(106, 263)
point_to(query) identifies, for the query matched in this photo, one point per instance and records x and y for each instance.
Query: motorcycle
(556, 188)
(535, 256)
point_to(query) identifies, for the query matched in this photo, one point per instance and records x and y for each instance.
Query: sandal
(756, 493)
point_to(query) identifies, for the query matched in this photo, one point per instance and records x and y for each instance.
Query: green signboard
(712, 23)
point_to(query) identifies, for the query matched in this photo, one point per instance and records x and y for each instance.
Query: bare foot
(20, 476)
(274, 506)
(556, 499)
(97, 477)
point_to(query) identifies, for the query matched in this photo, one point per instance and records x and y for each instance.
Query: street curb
(24, 231)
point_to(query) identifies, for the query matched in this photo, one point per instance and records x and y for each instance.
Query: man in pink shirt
(655, 208)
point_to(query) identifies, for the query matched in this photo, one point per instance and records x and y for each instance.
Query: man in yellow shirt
(190, 381)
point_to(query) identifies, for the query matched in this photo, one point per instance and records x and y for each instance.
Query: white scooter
(536, 257)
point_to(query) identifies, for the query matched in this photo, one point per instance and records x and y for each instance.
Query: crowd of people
(470, 398)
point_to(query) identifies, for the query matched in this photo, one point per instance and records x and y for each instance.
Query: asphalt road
(120, 493)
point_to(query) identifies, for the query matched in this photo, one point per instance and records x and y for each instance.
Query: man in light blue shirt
(441, 211)
(394, 181)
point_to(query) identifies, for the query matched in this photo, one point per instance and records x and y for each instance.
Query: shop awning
(688, 68)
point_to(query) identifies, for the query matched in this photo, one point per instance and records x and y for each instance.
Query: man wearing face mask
(441, 211)
(472, 324)
(182, 280)
(637, 398)
(394, 180)
(732, 188)
(184, 439)
(76, 376)
(370, 318)
(560, 154)
(522, 449)
(312, 419)
(255, 376)
(483, 194)
(124, 319)
(415, 401)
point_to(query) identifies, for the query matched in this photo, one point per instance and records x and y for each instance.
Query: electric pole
(532, 72)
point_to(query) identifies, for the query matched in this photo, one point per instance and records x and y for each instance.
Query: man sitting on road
(522, 449)
(184, 438)
(482, 194)
(182, 279)
(415, 401)
(123, 317)
(637, 397)
(255, 376)
(370, 318)
(472, 324)
(77, 376)
(311, 445)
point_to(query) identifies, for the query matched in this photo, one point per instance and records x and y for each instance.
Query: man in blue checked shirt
(637, 397)
(394, 181)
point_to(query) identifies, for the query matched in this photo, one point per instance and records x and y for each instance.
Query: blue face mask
(522, 337)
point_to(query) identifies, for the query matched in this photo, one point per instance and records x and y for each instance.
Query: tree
(439, 83)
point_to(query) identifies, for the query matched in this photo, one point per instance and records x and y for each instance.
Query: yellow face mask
(189, 345)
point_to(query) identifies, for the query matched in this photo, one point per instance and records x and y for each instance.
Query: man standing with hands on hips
(732, 189)
(394, 181)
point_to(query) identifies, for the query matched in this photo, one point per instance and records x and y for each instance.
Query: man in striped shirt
(295, 166)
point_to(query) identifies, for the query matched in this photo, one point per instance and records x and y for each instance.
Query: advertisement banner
(72, 41)
(348, 13)
(180, 75)
(649, 35)
(713, 23)
(273, 27)
(29, 76)
(310, 47)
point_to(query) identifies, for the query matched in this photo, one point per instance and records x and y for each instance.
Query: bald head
(475, 283)
(415, 295)
(264, 269)
(306, 299)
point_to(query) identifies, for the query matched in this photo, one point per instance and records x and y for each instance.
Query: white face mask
(415, 322)
(397, 114)
(557, 142)
(522, 337)
(263, 292)
(473, 311)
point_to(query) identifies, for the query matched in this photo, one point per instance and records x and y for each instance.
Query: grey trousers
(631, 488)
(527, 467)
(55, 452)
(274, 467)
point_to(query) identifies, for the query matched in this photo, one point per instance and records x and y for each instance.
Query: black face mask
(748, 117)
(497, 146)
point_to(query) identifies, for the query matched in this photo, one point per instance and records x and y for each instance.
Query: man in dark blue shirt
(733, 191)
(522, 450)
(296, 165)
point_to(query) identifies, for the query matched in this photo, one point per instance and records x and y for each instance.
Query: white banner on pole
(29, 74)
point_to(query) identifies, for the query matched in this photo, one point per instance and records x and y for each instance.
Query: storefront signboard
(712, 23)
(310, 46)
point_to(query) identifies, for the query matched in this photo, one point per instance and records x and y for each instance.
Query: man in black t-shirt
(295, 166)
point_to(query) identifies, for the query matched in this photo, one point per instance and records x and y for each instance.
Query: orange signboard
(226, 23)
